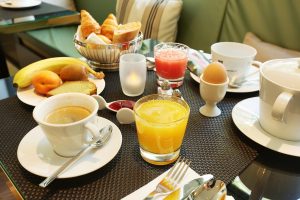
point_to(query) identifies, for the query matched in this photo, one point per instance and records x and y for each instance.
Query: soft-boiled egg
(215, 73)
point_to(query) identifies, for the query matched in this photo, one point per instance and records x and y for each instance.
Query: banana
(23, 77)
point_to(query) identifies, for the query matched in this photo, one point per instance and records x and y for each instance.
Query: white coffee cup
(133, 73)
(236, 57)
(68, 139)
(279, 97)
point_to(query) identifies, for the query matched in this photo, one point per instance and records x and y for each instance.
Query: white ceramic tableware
(133, 72)
(212, 94)
(36, 154)
(69, 138)
(17, 4)
(280, 98)
(236, 57)
(245, 115)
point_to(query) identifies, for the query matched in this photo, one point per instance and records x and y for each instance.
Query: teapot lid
(284, 72)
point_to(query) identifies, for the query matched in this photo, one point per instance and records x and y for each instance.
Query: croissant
(109, 25)
(88, 24)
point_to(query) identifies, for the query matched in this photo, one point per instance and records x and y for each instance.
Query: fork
(170, 182)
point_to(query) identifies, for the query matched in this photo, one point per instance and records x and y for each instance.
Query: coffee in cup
(67, 115)
(68, 121)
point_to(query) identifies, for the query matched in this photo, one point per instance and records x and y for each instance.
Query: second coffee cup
(236, 57)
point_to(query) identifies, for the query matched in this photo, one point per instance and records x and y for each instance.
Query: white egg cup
(212, 94)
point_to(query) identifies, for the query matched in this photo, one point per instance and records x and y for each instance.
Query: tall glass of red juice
(171, 61)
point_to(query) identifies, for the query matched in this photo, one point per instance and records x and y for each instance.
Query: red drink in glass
(171, 61)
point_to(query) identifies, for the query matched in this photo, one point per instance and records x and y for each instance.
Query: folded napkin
(198, 60)
(142, 192)
(197, 57)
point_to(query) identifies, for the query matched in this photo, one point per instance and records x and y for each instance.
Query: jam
(117, 105)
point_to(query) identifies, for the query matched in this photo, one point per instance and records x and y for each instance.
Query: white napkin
(146, 189)
(142, 192)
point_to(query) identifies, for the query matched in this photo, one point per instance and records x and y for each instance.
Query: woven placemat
(214, 145)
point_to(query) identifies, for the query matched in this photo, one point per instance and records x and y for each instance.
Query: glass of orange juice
(170, 62)
(161, 123)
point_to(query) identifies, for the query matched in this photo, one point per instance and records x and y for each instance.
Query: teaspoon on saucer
(105, 134)
(236, 82)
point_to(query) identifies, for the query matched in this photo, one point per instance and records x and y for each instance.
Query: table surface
(215, 146)
(271, 175)
(44, 15)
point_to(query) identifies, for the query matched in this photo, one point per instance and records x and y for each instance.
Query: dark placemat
(213, 144)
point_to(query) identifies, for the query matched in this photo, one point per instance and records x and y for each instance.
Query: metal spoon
(105, 134)
(238, 81)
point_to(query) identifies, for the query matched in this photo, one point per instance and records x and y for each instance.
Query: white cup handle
(94, 130)
(256, 63)
(280, 105)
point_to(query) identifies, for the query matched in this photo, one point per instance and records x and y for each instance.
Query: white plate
(245, 115)
(28, 96)
(20, 3)
(252, 84)
(36, 155)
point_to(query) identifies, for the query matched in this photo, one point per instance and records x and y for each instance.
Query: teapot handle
(280, 105)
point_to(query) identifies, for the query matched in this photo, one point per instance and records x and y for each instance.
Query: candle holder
(133, 72)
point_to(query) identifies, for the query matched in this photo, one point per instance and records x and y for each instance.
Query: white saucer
(245, 115)
(20, 3)
(36, 155)
(252, 84)
(28, 96)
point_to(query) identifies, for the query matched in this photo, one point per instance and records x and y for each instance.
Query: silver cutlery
(204, 56)
(105, 134)
(213, 190)
(186, 190)
(170, 182)
(238, 81)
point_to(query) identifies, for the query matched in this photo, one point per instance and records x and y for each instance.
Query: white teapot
(279, 98)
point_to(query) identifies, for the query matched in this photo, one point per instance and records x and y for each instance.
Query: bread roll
(104, 39)
(109, 25)
(126, 32)
(88, 24)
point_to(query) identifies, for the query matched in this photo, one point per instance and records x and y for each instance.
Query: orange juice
(161, 125)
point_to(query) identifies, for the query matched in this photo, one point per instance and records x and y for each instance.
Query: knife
(213, 190)
(186, 190)
(194, 68)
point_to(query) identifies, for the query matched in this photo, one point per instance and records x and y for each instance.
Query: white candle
(133, 71)
(133, 81)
